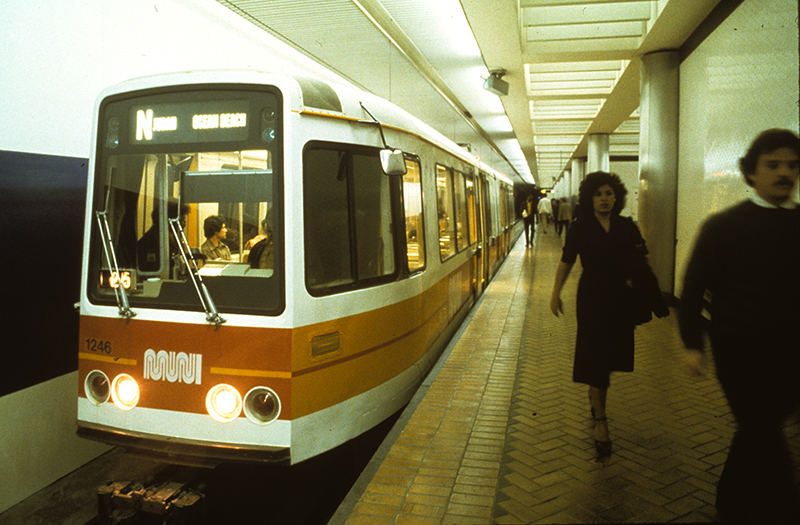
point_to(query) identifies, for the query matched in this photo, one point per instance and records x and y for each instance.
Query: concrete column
(578, 166)
(566, 187)
(658, 161)
(598, 153)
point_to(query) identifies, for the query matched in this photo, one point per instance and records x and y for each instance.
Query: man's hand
(556, 306)
(694, 362)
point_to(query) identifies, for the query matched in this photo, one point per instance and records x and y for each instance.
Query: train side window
(447, 223)
(327, 219)
(347, 199)
(460, 201)
(412, 202)
(374, 237)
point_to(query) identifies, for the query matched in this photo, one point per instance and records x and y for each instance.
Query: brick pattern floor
(503, 436)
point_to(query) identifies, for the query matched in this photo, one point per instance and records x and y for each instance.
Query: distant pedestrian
(554, 204)
(564, 216)
(747, 260)
(545, 211)
(528, 213)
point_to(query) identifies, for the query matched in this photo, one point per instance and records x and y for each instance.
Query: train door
(475, 233)
(485, 219)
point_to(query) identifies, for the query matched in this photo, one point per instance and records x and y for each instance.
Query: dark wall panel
(41, 214)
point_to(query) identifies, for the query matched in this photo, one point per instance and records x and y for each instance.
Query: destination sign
(189, 122)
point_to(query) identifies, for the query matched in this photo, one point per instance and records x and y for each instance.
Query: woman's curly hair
(592, 183)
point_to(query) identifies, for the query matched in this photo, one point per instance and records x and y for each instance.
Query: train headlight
(125, 392)
(96, 386)
(224, 403)
(262, 405)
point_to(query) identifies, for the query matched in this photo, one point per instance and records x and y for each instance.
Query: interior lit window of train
(504, 215)
(173, 168)
(447, 219)
(143, 195)
(471, 210)
(348, 229)
(460, 200)
(415, 230)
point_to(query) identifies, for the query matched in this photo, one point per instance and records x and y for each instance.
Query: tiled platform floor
(502, 434)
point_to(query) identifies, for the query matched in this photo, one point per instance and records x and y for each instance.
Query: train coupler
(130, 503)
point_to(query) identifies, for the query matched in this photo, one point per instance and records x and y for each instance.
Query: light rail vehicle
(356, 239)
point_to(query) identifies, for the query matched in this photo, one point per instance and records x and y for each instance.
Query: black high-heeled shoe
(603, 447)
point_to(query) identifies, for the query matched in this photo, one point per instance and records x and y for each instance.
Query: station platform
(500, 433)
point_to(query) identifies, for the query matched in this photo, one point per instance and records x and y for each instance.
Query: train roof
(313, 96)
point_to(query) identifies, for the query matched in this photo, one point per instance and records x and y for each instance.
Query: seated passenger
(231, 238)
(260, 246)
(250, 227)
(266, 231)
(199, 257)
(215, 231)
(261, 254)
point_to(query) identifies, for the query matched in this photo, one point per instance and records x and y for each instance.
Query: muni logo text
(172, 366)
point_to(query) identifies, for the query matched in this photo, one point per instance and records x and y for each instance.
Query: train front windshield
(187, 201)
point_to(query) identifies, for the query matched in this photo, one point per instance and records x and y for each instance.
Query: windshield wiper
(111, 259)
(212, 315)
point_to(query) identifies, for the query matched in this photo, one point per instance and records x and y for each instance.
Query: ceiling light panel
(565, 97)
(609, 25)
(588, 31)
(578, 75)
(555, 140)
(625, 139)
(578, 127)
(594, 65)
(630, 126)
(584, 12)
(573, 79)
(540, 107)
(569, 89)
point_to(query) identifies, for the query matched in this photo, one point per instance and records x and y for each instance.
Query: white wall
(58, 55)
(38, 444)
(742, 80)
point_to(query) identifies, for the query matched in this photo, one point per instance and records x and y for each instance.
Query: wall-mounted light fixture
(494, 83)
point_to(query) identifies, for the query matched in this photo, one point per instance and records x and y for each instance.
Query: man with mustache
(747, 260)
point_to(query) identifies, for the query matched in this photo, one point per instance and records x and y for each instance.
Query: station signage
(189, 122)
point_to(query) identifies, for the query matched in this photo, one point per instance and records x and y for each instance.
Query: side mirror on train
(393, 161)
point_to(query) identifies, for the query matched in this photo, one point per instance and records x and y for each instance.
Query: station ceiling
(572, 66)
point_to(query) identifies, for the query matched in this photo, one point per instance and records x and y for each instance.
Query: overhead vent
(318, 94)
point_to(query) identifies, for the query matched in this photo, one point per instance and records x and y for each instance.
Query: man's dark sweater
(748, 259)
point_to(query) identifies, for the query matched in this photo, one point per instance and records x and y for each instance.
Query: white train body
(295, 344)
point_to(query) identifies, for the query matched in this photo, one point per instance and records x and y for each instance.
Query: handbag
(647, 296)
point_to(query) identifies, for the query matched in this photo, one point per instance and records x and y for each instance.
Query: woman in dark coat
(606, 243)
